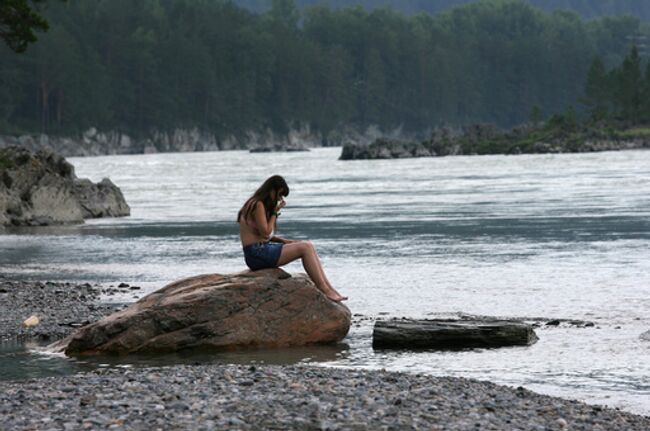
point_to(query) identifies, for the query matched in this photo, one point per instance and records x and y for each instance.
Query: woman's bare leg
(312, 265)
(320, 267)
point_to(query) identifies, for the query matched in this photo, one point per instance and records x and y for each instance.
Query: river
(555, 236)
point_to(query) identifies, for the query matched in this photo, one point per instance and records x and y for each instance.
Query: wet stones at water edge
(38, 189)
(450, 334)
(47, 311)
(214, 312)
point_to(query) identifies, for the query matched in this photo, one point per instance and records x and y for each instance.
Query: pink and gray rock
(261, 309)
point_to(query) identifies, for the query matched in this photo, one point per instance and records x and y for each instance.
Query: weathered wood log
(450, 334)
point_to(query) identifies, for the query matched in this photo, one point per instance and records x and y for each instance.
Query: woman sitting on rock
(257, 220)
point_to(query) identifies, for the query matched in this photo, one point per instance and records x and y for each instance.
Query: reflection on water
(26, 361)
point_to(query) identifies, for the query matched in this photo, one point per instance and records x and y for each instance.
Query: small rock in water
(31, 321)
(122, 285)
(553, 323)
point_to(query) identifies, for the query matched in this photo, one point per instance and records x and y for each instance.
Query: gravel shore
(60, 307)
(224, 397)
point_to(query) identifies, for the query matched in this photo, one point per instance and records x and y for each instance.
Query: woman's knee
(307, 247)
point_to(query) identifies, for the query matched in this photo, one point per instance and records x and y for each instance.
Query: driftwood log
(450, 334)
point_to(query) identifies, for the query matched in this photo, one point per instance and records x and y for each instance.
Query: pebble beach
(252, 397)
(228, 397)
(59, 306)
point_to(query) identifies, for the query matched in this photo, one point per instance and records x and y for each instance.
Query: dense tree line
(138, 65)
(621, 94)
(585, 8)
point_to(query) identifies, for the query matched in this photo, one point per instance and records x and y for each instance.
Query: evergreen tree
(18, 21)
(536, 115)
(629, 86)
(597, 90)
(645, 96)
(162, 64)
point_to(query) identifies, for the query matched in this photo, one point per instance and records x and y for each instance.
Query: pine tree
(596, 90)
(630, 81)
(18, 21)
(536, 115)
(645, 96)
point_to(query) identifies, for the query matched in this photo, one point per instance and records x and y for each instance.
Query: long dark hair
(263, 194)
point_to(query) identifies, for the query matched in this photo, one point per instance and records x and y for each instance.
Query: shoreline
(61, 307)
(289, 397)
(227, 396)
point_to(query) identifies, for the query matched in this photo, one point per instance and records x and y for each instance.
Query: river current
(554, 236)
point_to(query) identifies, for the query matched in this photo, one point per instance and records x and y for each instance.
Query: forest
(165, 64)
(585, 8)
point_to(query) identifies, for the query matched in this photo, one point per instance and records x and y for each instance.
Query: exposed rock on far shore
(450, 334)
(261, 309)
(385, 149)
(488, 139)
(279, 148)
(301, 137)
(41, 188)
(95, 143)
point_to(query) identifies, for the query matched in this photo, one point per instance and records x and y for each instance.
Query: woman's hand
(281, 203)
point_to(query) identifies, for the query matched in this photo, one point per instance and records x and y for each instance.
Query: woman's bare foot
(336, 297)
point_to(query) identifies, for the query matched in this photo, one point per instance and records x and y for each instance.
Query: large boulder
(261, 309)
(103, 199)
(450, 334)
(42, 189)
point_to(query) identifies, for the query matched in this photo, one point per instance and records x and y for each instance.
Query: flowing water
(556, 236)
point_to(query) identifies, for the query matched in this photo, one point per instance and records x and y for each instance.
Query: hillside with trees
(166, 64)
(586, 8)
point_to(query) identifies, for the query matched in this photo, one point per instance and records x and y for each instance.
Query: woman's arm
(264, 226)
(282, 240)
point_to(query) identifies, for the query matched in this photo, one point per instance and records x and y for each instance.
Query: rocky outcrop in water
(384, 148)
(450, 334)
(41, 188)
(261, 309)
(488, 139)
(280, 148)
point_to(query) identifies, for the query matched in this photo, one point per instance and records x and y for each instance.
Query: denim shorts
(262, 255)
